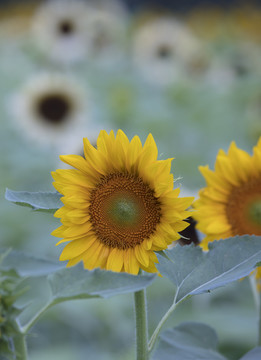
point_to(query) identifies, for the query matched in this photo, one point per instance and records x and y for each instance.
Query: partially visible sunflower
(119, 205)
(245, 22)
(230, 204)
(15, 18)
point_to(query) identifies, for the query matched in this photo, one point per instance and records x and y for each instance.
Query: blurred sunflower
(230, 205)
(59, 30)
(245, 22)
(210, 23)
(107, 35)
(164, 48)
(119, 205)
(15, 18)
(51, 109)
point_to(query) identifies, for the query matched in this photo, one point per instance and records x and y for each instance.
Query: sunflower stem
(20, 347)
(142, 352)
(259, 321)
(257, 300)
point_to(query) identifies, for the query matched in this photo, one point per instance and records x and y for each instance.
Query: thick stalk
(259, 321)
(142, 352)
(20, 347)
(257, 300)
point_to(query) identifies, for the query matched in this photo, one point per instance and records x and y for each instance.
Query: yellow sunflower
(119, 205)
(230, 204)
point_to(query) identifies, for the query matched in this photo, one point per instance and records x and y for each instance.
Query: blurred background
(186, 71)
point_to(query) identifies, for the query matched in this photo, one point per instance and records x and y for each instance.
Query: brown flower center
(243, 208)
(123, 210)
(54, 108)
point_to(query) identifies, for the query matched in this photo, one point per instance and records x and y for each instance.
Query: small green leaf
(254, 354)
(194, 271)
(188, 341)
(41, 201)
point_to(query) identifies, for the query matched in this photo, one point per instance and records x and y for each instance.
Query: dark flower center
(66, 27)
(54, 108)
(164, 52)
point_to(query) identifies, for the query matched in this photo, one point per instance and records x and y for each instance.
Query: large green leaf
(75, 282)
(49, 282)
(41, 201)
(188, 341)
(28, 265)
(254, 354)
(194, 271)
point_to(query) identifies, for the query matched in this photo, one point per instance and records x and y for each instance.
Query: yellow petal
(219, 225)
(141, 255)
(115, 260)
(75, 248)
(150, 144)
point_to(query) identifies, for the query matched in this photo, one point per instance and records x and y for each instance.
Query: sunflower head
(230, 204)
(119, 205)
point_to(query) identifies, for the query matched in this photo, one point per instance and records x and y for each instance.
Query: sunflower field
(131, 139)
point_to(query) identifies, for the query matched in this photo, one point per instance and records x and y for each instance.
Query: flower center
(123, 210)
(164, 52)
(243, 209)
(254, 212)
(66, 27)
(54, 108)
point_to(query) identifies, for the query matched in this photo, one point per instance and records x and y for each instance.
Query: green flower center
(254, 212)
(123, 211)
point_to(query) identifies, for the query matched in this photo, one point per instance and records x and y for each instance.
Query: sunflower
(163, 48)
(50, 107)
(230, 204)
(107, 35)
(119, 205)
(59, 30)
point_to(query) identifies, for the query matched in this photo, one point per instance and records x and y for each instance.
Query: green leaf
(76, 282)
(28, 265)
(194, 271)
(254, 354)
(188, 341)
(41, 201)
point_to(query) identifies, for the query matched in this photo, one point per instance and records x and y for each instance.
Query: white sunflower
(106, 25)
(52, 110)
(164, 48)
(59, 30)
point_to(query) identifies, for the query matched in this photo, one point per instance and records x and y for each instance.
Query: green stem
(154, 336)
(257, 300)
(141, 325)
(20, 347)
(259, 321)
(28, 326)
